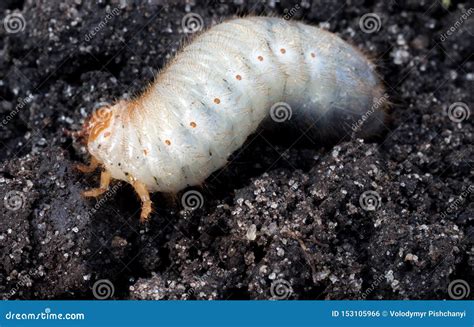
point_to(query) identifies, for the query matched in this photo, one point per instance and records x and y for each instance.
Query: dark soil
(278, 213)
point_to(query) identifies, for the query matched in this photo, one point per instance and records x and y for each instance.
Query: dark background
(311, 233)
